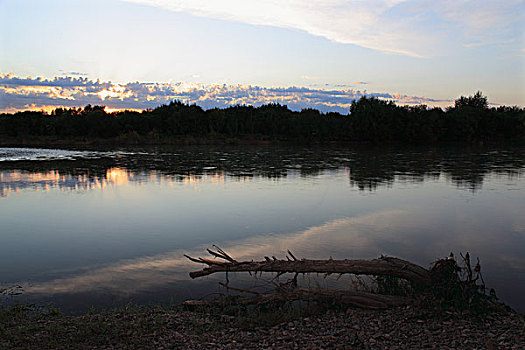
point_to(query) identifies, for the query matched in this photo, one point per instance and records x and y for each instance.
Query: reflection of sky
(393, 232)
(128, 232)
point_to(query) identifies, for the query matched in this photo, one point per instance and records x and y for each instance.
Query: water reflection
(118, 222)
(13, 181)
(35, 154)
(389, 232)
(367, 169)
(337, 238)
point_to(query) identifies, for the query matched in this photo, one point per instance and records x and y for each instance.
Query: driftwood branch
(243, 290)
(445, 280)
(383, 266)
(357, 299)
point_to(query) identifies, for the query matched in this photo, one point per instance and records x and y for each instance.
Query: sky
(138, 54)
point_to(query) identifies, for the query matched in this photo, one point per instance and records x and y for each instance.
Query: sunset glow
(305, 54)
(115, 110)
(72, 92)
(137, 133)
(118, 176)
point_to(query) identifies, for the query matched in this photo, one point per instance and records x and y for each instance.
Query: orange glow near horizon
(44, 181)
(118, 176)
(115, 110)
(50, 109)
(13, 181)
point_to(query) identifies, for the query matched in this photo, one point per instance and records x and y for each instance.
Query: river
(106, 227)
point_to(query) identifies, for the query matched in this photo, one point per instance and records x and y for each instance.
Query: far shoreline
(248, 140)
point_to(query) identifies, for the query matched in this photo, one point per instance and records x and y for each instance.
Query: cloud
(63, 82)
(74, 73)
(416, 28)
(37, 93)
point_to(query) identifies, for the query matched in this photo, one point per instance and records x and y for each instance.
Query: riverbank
(406, 327)
(135, 140)
(130, 140)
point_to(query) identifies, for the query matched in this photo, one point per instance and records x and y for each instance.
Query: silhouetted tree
(477, 101)
(370, 120)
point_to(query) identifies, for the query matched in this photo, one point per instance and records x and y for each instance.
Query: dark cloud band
(29, 93)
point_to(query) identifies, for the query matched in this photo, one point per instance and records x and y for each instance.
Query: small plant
(91, 310)
(461, 286)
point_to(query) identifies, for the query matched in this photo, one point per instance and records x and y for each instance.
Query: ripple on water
(25, 154)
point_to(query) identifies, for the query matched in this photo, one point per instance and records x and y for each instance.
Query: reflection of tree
(16, 180)
(465, 168)
(368, 167)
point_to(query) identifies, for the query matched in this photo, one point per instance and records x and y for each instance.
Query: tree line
(370, 120)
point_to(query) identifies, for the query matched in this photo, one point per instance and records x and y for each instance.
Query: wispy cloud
(37, 93)
(416, 28)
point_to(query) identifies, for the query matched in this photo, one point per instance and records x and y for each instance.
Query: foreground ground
(174, 328)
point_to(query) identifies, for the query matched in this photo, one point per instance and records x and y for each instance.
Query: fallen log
(348, 298)
(445, 282)
(383, 266)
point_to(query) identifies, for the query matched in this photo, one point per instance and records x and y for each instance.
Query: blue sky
(409, 51)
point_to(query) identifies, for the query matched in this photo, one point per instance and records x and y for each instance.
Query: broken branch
(384, 266)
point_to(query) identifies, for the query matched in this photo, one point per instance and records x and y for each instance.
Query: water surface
(103, 228)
